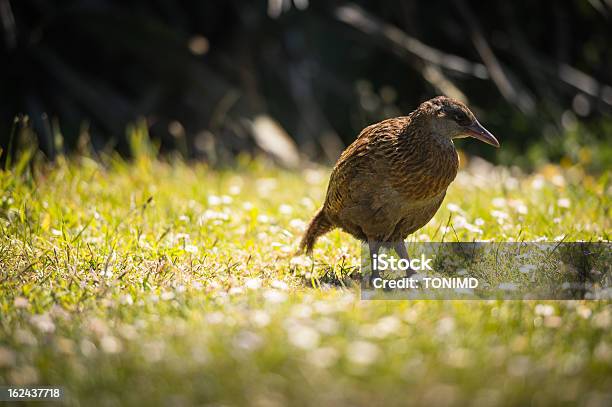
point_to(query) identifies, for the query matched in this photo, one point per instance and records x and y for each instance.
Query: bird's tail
(319, 225)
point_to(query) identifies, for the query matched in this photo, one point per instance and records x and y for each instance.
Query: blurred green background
(299, 79)
(157, 267)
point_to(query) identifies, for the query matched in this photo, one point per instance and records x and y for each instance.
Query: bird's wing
(361, 185)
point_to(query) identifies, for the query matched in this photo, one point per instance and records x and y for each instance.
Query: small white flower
(167, 295)
(603, 319)
(87, 348)
(313, 176)
(499, 214)
(307, 202)
(263, 219)
(301, 311)
(446, 326)
(281, 285)
(191, 249)
(584, 312)
(519, 206)
(214, 200)
(459, 221)
(558, 180)
(362, 352)
(110, 344)
(563, 203)
(327, 326)
(126, 299)
(275, 296)
(297, 224)
(544, 310)
(472, 228)
(236, 290)
(538, 182)
(247, 340)
(260, 318)
(253, 283)
(499, 202)
(266, 185)
(303, 261)
(454, 207)
(43, 322)
(323, 357)
(153, 351)
(182, 236)
(388, 325)
(303, 337)
(209, 214)
(325, 308)
(215, 317)
(511, 183)
(285, 209)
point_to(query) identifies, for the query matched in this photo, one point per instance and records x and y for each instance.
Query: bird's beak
(477, 131)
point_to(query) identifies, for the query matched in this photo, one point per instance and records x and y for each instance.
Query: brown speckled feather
(391, 180)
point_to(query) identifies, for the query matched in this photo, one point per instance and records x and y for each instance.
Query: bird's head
(451, 118)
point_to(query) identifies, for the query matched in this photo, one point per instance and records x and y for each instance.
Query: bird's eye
(460, 117)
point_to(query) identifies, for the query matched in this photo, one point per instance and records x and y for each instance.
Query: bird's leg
(400, 249)
(374, 246)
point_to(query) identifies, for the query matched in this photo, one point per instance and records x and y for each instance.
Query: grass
(161, 283)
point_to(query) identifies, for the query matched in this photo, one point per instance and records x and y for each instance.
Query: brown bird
(393, 178)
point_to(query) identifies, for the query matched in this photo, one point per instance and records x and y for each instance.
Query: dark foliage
(201, 71)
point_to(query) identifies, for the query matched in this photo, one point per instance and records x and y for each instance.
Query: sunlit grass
(166, 283)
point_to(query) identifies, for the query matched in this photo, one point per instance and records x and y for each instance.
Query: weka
(393, 178)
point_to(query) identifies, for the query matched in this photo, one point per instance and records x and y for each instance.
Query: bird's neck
(427, 139)
(430, 154)
(432, 149)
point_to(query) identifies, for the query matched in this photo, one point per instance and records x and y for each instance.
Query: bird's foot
(373, 277)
